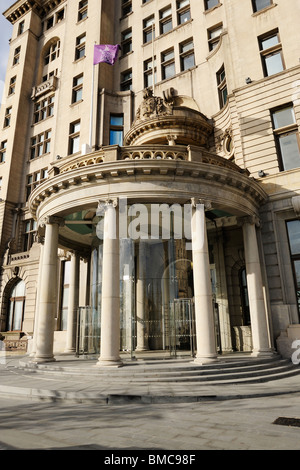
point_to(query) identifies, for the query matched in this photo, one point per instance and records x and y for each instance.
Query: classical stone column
(73, 303)
(204, 314)
(141, 339)
(110, 307)
(48, 292)
(37, 302)
(258, 314)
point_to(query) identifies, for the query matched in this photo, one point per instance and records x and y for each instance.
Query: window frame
(3, 150)
(266, 53)
(116, 129)
(256, 9)
(284, 131)
(80, 47)
(40, 141)
(167, 62)
(82, 10)
(213, 41)
(183, 10)
(222, 86)
(43, 109)
(74, 137)
(165, 21)
(148, 29)
(148, 70)
(126, 80)
(77, 88)
(185, 54)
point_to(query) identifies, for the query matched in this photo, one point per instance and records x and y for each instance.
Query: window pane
(17, 324)
(19, 290)
(116, 137)
(294, 236)
(116, 120)
(290, 152)
(260, 4)
(269, 42)
(284, 117)
(212, 3)
(169, 70)
(274, 63)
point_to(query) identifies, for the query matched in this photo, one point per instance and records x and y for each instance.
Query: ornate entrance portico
(136, 261)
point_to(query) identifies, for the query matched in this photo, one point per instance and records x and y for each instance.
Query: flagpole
(153, 68)
(92, 106)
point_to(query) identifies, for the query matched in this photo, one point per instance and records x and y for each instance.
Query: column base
(202, 360)
(40, 360)
(70, 350)
(264, 353)
(109, 363)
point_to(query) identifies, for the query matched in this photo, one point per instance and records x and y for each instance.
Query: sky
(6, 31)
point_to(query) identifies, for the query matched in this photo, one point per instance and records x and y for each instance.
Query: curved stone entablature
(117, 173)
(165, 120)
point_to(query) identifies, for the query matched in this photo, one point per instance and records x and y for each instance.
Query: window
(82, 10)
(40, 144)
(52, 53)
(222, 86)
(16, 58)
(30, 230)
(74, 137)
(49, 22)
(3, 146)
(116, 129)
(64, 294)
(271, 53)
(43, 109)
(16, 306)
(260, 4)
(183, 11)
(286, 137)
(77, 88)
(214, 36)
(293, 228)
(21, 27)
(60, 16)
(148, 72)
(34, 179)
(208, 4)
(126, 80)
(167, 64)
(80, 47)
(165, 20)
(126, 43)
(12, 85)
(148, 29)
(7, 117)
(187, 57)
(126, 7)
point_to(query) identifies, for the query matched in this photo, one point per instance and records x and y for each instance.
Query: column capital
(52, 220)
(207, 204)
(105, 203)
(249, 219)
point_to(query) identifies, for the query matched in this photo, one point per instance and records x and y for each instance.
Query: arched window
(16, 304)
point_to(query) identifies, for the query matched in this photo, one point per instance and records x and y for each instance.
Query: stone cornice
(170, 172)
(20, 8)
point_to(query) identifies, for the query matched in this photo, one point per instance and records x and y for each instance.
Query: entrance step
(229, 370)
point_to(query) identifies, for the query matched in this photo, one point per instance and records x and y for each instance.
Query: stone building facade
(152, 204)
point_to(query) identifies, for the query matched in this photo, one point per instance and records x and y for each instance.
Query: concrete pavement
(62, 409)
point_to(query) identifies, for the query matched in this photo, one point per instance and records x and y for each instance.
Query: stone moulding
(182, 172)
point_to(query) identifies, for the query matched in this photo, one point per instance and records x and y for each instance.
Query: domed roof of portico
(173, 119)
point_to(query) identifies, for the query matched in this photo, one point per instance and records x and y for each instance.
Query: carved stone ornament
(103, 205)
(153, 106)
(52, 219)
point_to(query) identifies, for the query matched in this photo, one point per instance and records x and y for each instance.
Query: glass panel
(19, 290)
(169, 71)
(115, 137)
(116, 120)
(18, 313)
(283, 117)
(294, 236)
(290, 153)
(269, 42)
(212, 3)
(260, 4)
(273, 63)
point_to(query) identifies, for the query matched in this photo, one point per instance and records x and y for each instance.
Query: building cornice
(21, 7)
